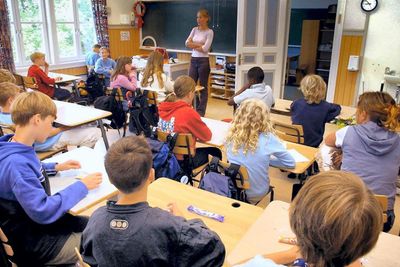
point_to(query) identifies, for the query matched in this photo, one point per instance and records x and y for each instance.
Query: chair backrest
(289, 132)
(6, 129)
(48, 154)
(19, 80)
(383, 201)
(7, 248)
(29, 82)
(152, 98)
(242, 170)
(183, 145)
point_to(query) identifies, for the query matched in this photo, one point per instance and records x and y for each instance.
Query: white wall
(117, 8)
(312, 3)
(382, 45)
(354, 18)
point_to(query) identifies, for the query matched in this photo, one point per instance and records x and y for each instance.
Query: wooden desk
(91, 161)
(161, 93)
(307, 151)
(282, 106)
(72, 115)
(263, 236)
(237, 220)
(66, 78)
(219, 130)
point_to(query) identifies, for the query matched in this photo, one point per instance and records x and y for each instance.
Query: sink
(393, 79)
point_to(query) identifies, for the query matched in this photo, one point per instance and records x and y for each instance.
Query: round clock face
(369, 5)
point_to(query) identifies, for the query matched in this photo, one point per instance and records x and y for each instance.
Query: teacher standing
(200, 40)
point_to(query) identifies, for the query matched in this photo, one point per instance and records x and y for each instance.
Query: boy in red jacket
(44, 82)
(177, 115)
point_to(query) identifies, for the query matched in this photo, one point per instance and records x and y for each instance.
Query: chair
(7, 249)
(30, 82)
(183, 147)
(289, 132)
(383, 202)
(19, 80)
(6, 129)
(152, 98)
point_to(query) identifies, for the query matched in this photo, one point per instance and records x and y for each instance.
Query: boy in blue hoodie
(35, 222)
(105, 65)
(371, 149)
(92, 57)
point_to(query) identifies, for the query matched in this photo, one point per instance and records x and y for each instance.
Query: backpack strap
(214, 164)
(233, 172)
(171, 140)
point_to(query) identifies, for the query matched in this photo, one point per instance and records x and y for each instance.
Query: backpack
(110, 103)
(94, 86)
(222, 181)
(165, 163)
(142, 115)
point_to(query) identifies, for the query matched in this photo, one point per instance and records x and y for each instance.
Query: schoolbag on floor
(94, 86)
(222, 181)
(110, 103)
(165, 163)
(142, 115)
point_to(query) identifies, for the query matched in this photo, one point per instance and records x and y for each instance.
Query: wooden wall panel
(346, 80)
(123, 48)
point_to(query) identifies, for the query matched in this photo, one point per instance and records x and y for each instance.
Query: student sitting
(35, 222)
(105, 65)
(327, 235)
(251, 142)
(178, 115)
(92, 57)
(312, 111)
(58, 137)
(371, 149)
(124, 77)
(43, 81)
(131, 233)
(153, 77)
(256, 88)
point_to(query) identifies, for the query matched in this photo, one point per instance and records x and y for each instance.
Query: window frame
(49, 34)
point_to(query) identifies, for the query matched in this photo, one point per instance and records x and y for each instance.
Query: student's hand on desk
(68, 165)
(173, 209)
(93, 180)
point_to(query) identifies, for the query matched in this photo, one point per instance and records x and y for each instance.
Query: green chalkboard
(170, 23)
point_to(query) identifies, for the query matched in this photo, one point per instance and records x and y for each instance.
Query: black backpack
(222, 181)
(142, 115)
(94, 86)
(111, 104)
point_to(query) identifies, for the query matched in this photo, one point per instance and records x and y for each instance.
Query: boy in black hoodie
(131, 233)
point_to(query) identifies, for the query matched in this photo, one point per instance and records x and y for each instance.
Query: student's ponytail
(393, 118)
(183, 85)
(171, 97)
(381, 109)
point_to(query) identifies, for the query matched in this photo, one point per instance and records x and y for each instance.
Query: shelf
(219, 96)
(322, 70)
(327, 30)
(323, 60)
(215, 88)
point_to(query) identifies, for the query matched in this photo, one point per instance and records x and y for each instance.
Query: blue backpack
(222, 181)
(165, 163)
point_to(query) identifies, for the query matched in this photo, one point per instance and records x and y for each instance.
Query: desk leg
(103, 133)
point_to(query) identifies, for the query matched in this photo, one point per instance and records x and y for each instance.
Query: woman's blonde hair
(251, 119)
(120, 67)
(155, 65)
(28, 104)
(183, 85)
(381, 109)
(336, 219)
(313, 88)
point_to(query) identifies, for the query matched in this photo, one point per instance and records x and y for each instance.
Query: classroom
(248, 133)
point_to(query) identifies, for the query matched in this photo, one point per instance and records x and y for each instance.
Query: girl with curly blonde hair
(251, 142)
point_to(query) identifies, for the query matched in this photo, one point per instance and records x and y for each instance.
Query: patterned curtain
(99, 8)
(6, 53)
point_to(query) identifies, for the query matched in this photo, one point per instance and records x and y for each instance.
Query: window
(62, 29)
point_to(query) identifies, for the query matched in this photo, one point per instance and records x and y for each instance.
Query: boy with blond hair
(313, 111)
(43, 81)
(131, 233)
(58, 137)
(35, 221)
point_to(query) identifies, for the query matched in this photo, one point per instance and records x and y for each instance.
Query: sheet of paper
(297, 156)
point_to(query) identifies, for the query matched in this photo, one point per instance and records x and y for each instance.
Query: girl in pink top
(124, 75)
